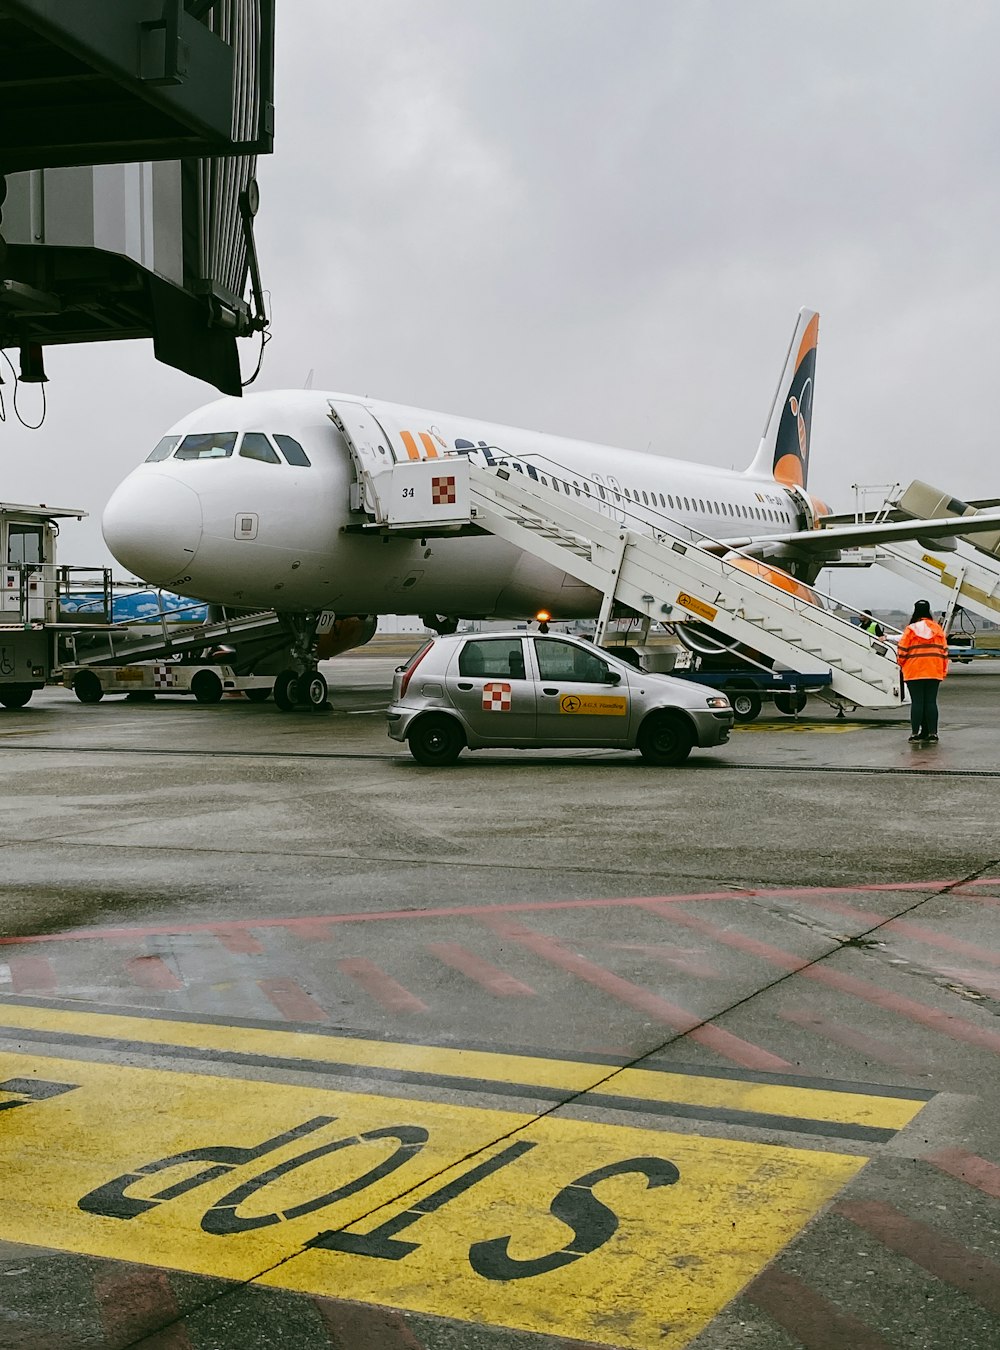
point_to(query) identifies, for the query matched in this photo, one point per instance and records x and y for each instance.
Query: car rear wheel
(665, 738)
(14, 695)
(436, 741)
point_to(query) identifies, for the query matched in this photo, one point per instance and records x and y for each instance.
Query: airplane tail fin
(784, 448)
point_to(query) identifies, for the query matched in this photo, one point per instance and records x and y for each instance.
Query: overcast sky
(599, 218)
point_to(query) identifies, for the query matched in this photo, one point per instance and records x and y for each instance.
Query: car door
(487, 682)
(580, 700)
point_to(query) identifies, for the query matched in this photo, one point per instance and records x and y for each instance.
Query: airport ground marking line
(947, 1260)
(812, 968)
(809, 1318)
(684, 1023)
(734, 892)
(626, 1086)
(624, 758)
(776, 1199)
(967, 1167)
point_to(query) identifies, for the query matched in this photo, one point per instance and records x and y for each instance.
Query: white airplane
(249, 503)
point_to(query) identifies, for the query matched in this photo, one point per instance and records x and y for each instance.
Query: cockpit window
(207, 445)
(163, 450)
(292, 451)
(256, 446)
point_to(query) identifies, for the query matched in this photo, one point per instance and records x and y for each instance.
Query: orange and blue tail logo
(791, 448)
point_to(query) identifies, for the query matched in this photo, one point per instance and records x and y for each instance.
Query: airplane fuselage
(249, 502)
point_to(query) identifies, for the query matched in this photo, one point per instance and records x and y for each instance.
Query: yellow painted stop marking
(616, 1235)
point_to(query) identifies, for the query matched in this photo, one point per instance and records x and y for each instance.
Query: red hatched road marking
(292, 1001)
(136, 1302)
(809, 1319)
(31, 974)
(152, 972)
(917, 932)
(660, 1009)
(240, 940)
(510, 907)
(483, 972)
(872, 1047)
(968, 1167)
(947, 1023)
(381, 986)
(940, 1256)
(352, 1327)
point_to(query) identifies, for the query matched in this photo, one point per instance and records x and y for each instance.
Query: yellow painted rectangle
(606, 705)
(471, 1065)
(617, 1236)
(933, 562)
(696, 606)
(127, 673)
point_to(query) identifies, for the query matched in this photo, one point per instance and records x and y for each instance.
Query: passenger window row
(668, 503)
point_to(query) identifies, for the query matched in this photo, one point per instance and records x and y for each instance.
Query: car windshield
(207, 445)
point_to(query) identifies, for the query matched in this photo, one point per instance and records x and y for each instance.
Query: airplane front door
(371, 451)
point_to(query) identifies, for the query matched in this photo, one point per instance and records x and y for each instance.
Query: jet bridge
(661, 574)
(960, 573)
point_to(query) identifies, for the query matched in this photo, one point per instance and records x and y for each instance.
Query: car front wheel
(436, 741)
(665, 738)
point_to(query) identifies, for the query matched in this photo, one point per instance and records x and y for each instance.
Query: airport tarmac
(306, 1046)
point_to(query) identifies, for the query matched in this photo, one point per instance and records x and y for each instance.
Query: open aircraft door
(371, 450)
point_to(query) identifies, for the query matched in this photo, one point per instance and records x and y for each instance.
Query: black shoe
(931, 740)
(915, 740)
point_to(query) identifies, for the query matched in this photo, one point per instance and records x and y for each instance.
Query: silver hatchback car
(532, 690)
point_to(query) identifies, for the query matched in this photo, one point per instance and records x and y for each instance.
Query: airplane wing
(830, 539)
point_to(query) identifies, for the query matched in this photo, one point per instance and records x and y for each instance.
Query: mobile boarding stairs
(658, 572)
(962, 573)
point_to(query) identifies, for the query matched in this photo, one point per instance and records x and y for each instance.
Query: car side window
(565, 661)
(492, 659)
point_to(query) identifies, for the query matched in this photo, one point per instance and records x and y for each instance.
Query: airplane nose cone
(152, 525)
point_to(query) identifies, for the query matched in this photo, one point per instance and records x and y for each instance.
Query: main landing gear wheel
(790, 704)
(286, 690)
(311, 691)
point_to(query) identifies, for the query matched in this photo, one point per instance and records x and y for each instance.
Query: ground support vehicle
(37, 598)
(207, 682)
(540, 691)
(748, 688)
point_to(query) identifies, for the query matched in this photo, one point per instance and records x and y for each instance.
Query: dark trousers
(923, 706)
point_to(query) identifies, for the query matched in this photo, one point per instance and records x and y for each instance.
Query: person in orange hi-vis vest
(923, 660)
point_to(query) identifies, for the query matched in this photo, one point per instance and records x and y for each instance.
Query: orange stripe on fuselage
(410, 443)
(427, 441)
(809, 339)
